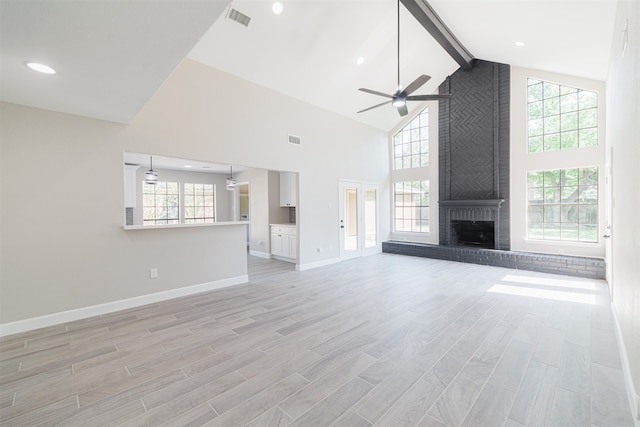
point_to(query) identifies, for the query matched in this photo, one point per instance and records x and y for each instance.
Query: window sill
(412, 237)
(156, 227)
(562, 243)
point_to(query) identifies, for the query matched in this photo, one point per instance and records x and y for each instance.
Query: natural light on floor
(556, 283)
(584, 292)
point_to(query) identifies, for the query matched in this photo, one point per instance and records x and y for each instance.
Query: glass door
(358, 219)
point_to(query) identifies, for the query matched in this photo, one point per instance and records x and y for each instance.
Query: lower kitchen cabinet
(284, 242)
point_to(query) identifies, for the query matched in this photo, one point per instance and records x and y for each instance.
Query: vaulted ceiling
(111, 56)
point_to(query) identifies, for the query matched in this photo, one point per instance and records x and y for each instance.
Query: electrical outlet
(153, 273)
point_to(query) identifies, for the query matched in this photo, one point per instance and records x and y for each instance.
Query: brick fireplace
(473, 170)
(474, 157)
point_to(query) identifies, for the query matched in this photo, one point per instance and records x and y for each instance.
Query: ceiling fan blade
(375, 106)
(375, 92)
(403, 110)
(417, 83)
(428, 97)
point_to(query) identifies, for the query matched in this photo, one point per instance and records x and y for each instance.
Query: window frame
(428, 172)
(408, 205)
(561, 207)
(415, 149)
(201, 219)
(522, 161)
(155, 221)
(552, 109)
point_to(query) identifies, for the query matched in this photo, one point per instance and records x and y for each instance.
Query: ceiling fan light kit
(401, 96)
(151, 176)
(399, 101)
(231, 181)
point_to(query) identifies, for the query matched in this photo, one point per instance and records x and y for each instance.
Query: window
(560, 117)
(411, 143)
(411, 205)
(563, 204)
(199, 203)
(161, 203)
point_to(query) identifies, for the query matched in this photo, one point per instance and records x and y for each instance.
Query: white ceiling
(112, 55)
(185, 165)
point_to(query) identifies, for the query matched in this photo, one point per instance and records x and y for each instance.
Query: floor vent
(239, 17)
(294, 139)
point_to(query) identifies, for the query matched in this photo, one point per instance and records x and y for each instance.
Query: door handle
(606, 236)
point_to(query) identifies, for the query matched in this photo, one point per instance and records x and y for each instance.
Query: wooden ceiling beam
(430, 20)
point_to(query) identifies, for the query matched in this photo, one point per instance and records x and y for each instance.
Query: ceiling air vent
(239, 17)
(294, 139)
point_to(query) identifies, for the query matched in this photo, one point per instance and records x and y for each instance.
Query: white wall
(522, 161)
(63, 242)
(250, 128)
(623, 125)
(63, 246)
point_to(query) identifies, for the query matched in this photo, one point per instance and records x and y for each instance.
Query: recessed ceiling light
(360, 60)
(277, 8)
(519, 44)
(187, 166)
(40, 67)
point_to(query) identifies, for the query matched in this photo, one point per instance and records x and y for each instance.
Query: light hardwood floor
(385, 340)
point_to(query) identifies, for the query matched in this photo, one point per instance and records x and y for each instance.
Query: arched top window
(411, 143)
(560, 117)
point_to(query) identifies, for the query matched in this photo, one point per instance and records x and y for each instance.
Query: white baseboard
(110, 307)
(310, 265)
(260, 254)
(634, 402)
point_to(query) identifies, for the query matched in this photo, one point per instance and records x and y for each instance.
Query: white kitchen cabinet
(130, 186)
(284, 242)
(288, 189)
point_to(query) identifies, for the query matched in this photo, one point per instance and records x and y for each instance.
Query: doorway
(608, 235)
(358, 206)
(243, 206)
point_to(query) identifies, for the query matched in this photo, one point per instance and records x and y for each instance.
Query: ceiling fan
(401, 96)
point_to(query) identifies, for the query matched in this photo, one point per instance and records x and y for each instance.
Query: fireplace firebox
(478, 234)
(471, 223)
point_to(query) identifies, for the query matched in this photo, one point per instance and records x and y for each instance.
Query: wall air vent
(294, 139)
(239, 17)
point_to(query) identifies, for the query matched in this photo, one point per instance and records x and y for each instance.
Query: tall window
(560, 117)
(161, 203)
(199, 203)
(411, 206)
(563, 204)
(410, 176)
(411, 143)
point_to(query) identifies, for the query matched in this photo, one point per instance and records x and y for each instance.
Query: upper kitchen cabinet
(130, 185)
(288, 189)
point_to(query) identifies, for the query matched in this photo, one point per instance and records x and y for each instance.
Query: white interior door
(358, 207)
(609, 205)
